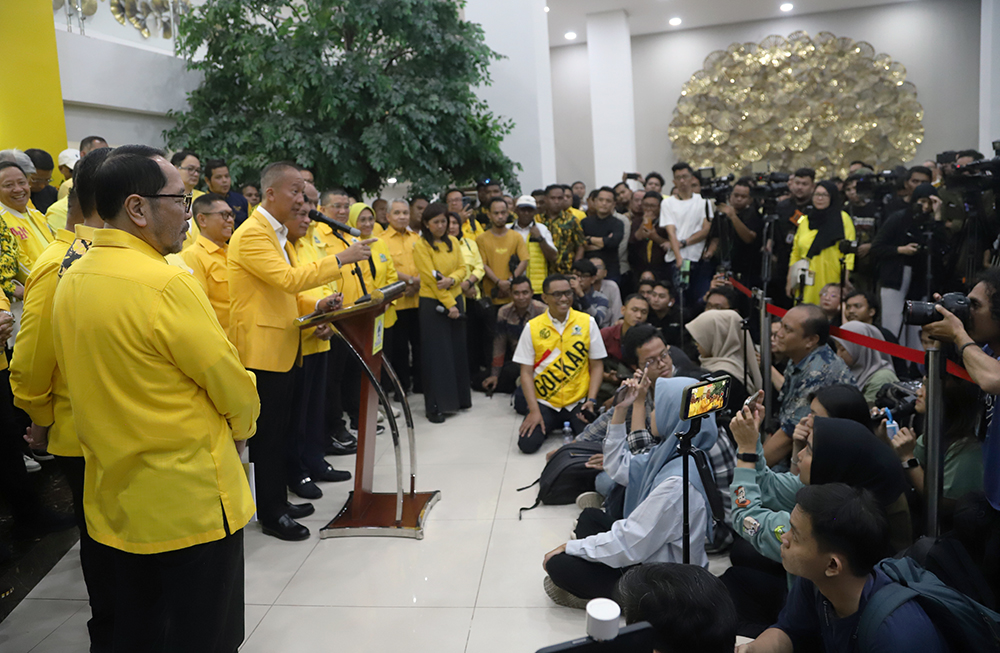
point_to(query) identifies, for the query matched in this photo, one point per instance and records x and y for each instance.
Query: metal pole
(932, 438)
(765, 353)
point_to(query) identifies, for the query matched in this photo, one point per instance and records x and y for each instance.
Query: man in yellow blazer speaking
(161, 405)
(264, 279)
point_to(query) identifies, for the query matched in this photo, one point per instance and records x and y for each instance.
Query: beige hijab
(720, 333)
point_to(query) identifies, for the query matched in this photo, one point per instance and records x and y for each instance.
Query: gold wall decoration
(795, 102)
(148, 16)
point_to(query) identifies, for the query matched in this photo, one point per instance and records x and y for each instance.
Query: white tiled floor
(473, 584)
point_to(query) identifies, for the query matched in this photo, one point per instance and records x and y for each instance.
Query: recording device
(848, 247)
(946, 157)
(438, 276)
(769, 187)
(466, 201)
(706, 397)
(444, 311)
(713, 188)
(879, 184)
(921, 313)
(976, 176)
(316, 216)
(633, 175)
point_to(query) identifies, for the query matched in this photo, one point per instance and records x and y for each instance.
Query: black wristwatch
(747, 457)
(912, 463)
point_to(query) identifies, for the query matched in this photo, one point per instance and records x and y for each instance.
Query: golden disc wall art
(818, 101)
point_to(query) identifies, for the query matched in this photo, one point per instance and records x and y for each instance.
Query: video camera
(712, 188)
(770, 185)
(921, 313)
(879, 184)
(976, 176)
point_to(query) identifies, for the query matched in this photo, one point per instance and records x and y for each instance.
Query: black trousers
(406, 347)
(445, 366)
(506, 381)
(95, 564)
(269, 444)
(307, 443)
(14, 483)
(189, 600)
(479, 331)
(552, 419)
(758, 587)
(581, 577)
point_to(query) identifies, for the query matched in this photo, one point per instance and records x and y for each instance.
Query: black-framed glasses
(188, 198)
(560, 294)
(226, 215)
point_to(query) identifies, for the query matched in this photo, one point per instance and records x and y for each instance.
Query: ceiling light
(390, 180)
(546, 9)
(675, 21)
(570, 36)
(788, 6)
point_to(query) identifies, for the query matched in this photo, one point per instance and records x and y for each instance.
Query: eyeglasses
(188, 198)
(226, 215)
(192, 169)
(661, 359)
(560, 294)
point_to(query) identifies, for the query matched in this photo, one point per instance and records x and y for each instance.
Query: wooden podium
(368, 513)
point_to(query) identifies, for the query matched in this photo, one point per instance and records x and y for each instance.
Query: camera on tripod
(976, 176)
(715, 188)
(921, 313)
(770, 186)
(878, 184)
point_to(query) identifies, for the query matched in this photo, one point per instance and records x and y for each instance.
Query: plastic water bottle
(891, 427)
(567, 433)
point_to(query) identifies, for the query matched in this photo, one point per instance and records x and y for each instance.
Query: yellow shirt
(826, 264)
(497, 252)
(33, 236)
(159, 395)
(471, 229)
(473, 262)
(56, 215)
(577, 213)
(193, 231)
(38, 385)
(64, 189)
(385, 274)
(448, 263)
(400, 246)
(208, 265)
(328, 243)
(305, 252)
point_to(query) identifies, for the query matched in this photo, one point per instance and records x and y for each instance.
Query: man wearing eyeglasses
(560, 354)
(189, 165)
(207, 256)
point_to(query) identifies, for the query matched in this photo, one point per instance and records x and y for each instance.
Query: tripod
(684, 446)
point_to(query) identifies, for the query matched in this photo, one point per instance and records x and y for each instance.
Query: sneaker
(31, 464)
(561, 597)
(41, 455)
(353, 429)
(590, 500)
(381, 417)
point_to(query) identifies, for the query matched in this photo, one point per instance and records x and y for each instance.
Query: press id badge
(810, 278)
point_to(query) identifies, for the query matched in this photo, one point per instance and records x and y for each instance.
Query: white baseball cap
(526, 200)
(69, 158)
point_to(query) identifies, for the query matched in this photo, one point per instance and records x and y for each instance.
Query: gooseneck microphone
(316, 216)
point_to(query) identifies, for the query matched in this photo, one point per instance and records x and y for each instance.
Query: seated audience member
(605, 286)
(645, 288)
(862, 306)
(721, 299)
(635, 311)
(251, 193)
(651, 529)
(511, 320)
(963, 458)
(841, 400)
(26, 224)
(560, 354)
(541, 247)
(870, 368)
(603, 231)
(836, 536)
(207, 256)
(218, 181)
(688, 607)
(802, 338)
(665, 313)
(499, 246)
(829, 303)
(588, 299)
(725, 347)
(43, 193)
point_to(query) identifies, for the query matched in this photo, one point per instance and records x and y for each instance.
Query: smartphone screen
(706, 397)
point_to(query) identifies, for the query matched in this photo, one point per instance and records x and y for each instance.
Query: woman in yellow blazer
(816, 243)
(442, 321)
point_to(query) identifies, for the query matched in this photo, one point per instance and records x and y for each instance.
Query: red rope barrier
(894, 350)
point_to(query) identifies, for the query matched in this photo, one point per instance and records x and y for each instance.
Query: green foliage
(357, 90)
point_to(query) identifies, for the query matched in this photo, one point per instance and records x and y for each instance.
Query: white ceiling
(652, 16)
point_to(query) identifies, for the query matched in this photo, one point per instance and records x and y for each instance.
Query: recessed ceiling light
(788, 6)
(390, 180)
(675, 21)
(570, 36)
(546, 9)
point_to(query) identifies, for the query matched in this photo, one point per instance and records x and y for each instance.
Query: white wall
(937, 41)
(571, 109)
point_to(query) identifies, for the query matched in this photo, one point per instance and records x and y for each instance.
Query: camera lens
(920, 313)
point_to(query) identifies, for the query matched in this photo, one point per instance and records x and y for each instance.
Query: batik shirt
(817, 370)
(567, 234)
(8, 261)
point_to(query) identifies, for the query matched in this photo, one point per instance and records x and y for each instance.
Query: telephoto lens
(921, 313)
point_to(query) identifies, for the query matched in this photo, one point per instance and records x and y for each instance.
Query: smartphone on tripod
(705, 397)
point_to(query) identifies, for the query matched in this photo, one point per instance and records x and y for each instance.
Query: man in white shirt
(687, 219)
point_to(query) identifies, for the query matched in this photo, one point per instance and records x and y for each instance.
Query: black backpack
(565, 476)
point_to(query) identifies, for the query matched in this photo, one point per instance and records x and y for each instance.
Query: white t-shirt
(687, 216)
(526, 233)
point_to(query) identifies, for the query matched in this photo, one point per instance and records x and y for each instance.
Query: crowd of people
(149, 305)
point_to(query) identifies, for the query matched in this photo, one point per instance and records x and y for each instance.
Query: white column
(521, 83)
(989, 76)
(612, 105)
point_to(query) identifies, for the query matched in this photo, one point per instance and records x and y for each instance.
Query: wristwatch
(912, 463)
(747, 457)
(684, 243)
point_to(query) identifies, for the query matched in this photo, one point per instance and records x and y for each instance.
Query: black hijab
(845, 401)
(827, 221)
(844, 451)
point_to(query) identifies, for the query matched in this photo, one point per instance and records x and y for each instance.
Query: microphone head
(316, 216)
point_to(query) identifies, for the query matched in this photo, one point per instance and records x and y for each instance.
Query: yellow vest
(562, 361)
(538, 266)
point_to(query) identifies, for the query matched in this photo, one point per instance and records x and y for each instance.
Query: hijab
(647, 470)
(827, 222)
(847, 452)
(352, 220)
(844, 400)
(721, 334)
(866, 361)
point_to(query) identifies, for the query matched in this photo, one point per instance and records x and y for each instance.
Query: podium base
(379, 520)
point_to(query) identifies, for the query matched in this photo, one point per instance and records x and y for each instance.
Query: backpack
(565, 476)
(965, 624)
(948, 559)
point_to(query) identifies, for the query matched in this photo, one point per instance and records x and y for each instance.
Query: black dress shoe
(306, 489)
(435, 417)
(338, 448)
(300, 510)
(286, 528)
(331, 475)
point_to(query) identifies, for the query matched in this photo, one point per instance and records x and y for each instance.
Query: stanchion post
(932, 436)
(765, 351)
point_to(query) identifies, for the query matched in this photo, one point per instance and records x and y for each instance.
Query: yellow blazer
(262, 294)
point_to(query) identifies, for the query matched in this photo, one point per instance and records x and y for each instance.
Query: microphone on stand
(316, 216)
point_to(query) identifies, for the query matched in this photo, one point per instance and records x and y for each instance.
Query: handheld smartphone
(620, 392)
(706, 397)
(637, 638)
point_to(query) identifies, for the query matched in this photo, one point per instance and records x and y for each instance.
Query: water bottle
(567, 433)
(891, 427)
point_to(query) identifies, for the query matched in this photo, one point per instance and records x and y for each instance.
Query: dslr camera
(715, 188)
(921, 313)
